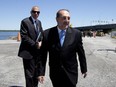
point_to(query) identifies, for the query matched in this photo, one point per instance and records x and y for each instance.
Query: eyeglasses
(38, 12)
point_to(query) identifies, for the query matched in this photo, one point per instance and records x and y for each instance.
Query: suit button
(62, 66)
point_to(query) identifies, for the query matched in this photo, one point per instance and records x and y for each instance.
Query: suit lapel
(67, 37)
(56, 40)
(57, 37)
(32, 26)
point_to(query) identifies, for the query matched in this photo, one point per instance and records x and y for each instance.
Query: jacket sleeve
(25, 34)
(81, 54)
(44, 50)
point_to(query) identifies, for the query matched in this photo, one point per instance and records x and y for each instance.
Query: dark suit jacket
(64, 59)
(28, 48)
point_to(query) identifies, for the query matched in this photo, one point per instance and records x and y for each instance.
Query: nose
(67, 19)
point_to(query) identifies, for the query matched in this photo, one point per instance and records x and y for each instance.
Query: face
(63, 20)
(35, 12)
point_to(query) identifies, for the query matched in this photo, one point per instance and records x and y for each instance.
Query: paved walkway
(101, 64)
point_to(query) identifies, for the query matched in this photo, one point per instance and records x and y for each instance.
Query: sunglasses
(38, 12)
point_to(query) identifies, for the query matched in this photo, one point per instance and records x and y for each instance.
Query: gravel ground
(101, 61)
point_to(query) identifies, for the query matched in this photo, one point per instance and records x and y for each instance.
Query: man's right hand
(40, 79)
(38, 44)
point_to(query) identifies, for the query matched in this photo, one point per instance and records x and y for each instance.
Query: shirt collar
(33, 19)
(59, 30)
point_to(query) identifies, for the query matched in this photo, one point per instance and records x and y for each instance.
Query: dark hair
(58, 14)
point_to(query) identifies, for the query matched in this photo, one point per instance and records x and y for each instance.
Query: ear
(30, 12)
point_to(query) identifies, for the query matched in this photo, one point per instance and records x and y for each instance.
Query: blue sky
(83, 12)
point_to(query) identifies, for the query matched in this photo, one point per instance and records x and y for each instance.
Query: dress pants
(30, 72)
(60, 79)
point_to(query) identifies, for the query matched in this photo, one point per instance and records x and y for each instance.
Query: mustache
(66, 23)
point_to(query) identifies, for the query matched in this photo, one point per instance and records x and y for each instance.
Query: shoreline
(7, 41)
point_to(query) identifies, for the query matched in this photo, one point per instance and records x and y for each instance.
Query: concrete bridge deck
(101, 64)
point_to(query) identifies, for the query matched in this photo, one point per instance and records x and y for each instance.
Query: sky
(83, 12)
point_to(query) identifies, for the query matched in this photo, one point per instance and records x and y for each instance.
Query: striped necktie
(36, 28)
(62, 36)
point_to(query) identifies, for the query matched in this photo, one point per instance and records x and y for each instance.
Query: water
(7, 34)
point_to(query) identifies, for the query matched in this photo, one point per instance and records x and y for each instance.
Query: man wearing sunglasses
(31, 40)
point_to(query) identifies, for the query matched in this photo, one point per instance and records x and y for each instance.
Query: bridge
(104, 28)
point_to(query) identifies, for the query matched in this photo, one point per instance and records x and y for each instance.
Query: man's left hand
(39, 44)
(84, 75)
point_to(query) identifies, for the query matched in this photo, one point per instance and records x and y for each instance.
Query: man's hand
(38, 44)
(84, 74)
(40, 79)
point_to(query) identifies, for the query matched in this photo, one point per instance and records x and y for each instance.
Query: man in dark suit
(31, 40)
(63, 49)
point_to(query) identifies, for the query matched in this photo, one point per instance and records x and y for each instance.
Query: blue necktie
(62, 36)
